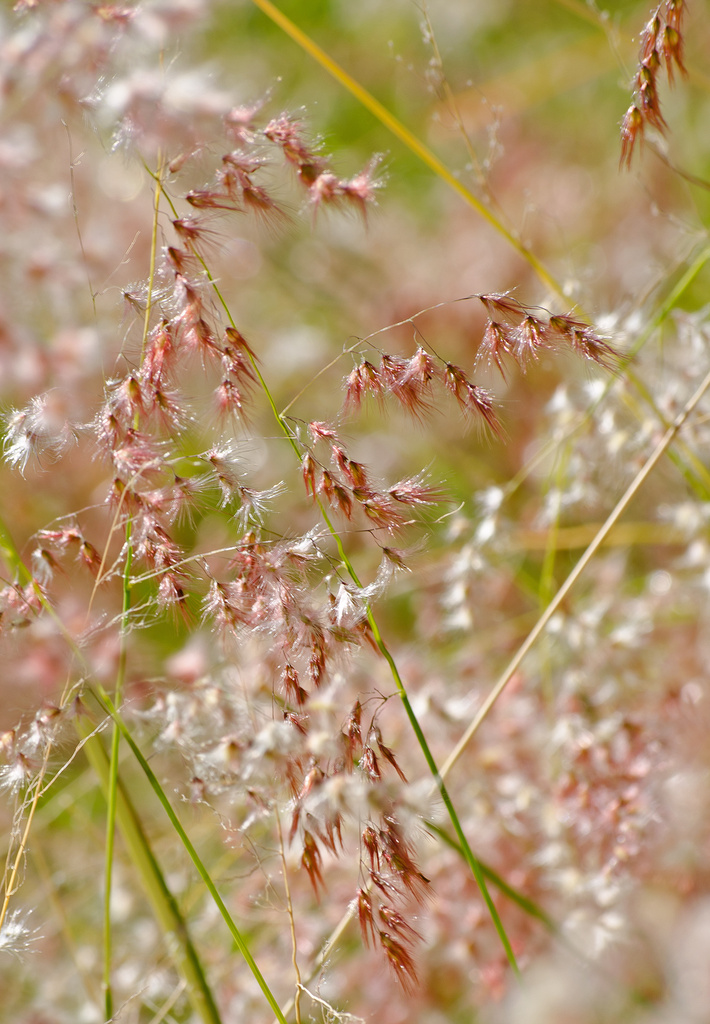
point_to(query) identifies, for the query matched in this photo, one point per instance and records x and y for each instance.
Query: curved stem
(382, 646)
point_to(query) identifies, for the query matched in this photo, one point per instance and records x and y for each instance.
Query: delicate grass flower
(220, 666)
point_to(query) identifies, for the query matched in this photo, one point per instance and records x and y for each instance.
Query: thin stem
(408, 138)
(542, 623)
(75, 213)
(10, 882)
(113, 779)
(291, 920)
(447, 95)
(384, 650)
(112, 788)
(153, 251)
(664, 311)
(107, 704)
(108, 874)
(165, 908)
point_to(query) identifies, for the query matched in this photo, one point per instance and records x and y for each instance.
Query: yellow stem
(603, 532)
(407, 137)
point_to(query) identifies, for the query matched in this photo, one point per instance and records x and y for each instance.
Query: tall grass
(354, 553)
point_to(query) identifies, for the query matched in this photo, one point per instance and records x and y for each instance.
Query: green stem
(527, 905)
(107, 704)
(161, 899)
(468, 855)
(166, 910)
(158, 176)
(112, 789)
(384, 650)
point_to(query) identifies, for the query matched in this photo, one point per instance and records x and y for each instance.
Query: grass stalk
(291, 920)
(163, 903)
(112, 788)
(107, 705)
(603, 532)
(382, 646)
(419, 149)
(408, 138)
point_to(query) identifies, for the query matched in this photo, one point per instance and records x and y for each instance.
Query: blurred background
(588, 789)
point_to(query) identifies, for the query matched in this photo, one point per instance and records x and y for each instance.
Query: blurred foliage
(539, 89)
